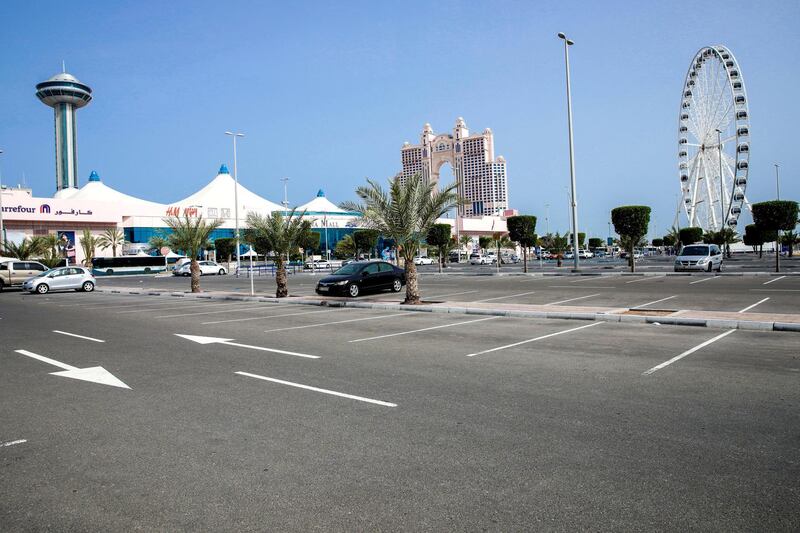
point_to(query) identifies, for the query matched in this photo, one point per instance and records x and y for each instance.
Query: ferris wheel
(714, 141)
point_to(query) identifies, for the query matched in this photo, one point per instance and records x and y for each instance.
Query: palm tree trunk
(194, 268)
(412, 287)
(281, 281)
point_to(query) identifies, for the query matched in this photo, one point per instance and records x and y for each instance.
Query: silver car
(61, 279)
(705, 257)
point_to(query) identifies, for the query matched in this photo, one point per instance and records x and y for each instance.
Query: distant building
(483, 179)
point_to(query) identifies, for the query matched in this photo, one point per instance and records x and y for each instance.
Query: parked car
(207, 268)
(355, 278)
(545, 254)
(585, 254)
(14, 273)
(61, 279)
(423, 261)
(706, 257)
(318, 264)
(569, 255)
(478, 259)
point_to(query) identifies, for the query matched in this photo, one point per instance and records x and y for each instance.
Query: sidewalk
(685, 317)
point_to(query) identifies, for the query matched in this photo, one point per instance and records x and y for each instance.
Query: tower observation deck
(64, 93)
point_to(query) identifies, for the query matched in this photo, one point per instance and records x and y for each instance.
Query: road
(405, 421)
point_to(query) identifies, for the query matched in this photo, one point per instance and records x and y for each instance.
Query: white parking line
(262, 307)
(317, 389)
(774, 279)
(749, 307)
(534, 339)
(397, 315)
(267, 316)
(581, 287)
(656, 301)
(687, 352)
(449, 294)
(573, 299)
(502, 297)
(425, 329)
(587, 278)
(646, 278)
(702, 280)
(78, 336)
(186, 305)
(133, 303)
(13, 442)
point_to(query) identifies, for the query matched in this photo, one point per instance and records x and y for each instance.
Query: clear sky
(326, 93)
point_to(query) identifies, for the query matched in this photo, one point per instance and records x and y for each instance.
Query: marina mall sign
(23, 207)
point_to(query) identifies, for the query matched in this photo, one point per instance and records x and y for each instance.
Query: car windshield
(350, 268)
(695, 250)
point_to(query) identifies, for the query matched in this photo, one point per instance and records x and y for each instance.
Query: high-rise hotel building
(483, 180)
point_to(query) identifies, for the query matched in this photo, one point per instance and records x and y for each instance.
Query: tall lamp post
(573, 193)
(777, 180)
(236, 198)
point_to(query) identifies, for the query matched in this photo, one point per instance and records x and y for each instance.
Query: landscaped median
(686, 317)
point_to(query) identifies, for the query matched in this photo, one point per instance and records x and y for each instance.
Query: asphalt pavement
(244, 416)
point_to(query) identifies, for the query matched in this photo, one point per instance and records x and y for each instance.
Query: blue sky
(326, 93)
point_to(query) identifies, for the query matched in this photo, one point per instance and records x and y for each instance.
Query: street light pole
(721, 191)
(285, 202)
(573, 193)
(236, 199)
(2, 229)
(777, 180)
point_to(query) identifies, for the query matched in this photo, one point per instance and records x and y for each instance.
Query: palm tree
(280, 235)
(405, 213)
(49, 250)
(501, 240)
(24, 250)
(158, 241)
(191, 235)
(88, 243)
(111, 238)
(465, 241)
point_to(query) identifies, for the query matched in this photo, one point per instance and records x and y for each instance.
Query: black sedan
(363, 276)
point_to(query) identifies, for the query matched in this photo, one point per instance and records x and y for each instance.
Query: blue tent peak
(223, 169)
(94, 176)
(321, 194)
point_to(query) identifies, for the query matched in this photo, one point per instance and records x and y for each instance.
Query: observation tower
(64, 93)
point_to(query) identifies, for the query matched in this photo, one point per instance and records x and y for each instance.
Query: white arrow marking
(95, 374)
(219, 340)
(13, 443)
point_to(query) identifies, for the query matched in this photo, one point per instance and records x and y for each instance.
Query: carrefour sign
(24, 207)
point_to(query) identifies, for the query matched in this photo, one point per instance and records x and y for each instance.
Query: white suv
(706, 257)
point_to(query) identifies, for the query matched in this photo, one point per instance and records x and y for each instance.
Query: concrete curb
(715, 323)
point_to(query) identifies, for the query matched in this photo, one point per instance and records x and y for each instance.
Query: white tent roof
(219, 193)
(98, 191)
(320, 204)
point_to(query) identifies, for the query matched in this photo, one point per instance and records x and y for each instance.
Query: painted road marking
(450, 294)
(655, 301)
(262, 307)
(95, 374)
(573, 299)
(755, 304)
(507, 296)
(78, 336)
(186, 305)
(534, 339)
(702, 280)
(588, 278)
(775, 279)
(397, 315)
(130, 302)
(425, 329)
(317, 389)
(217, 340)
(687, 352)
(267, 316)
(581, 287)
(13, 443)
(644, 279)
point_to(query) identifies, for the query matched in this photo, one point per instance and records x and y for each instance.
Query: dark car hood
(334, 279)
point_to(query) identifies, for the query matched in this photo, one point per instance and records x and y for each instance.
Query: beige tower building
(483, 178)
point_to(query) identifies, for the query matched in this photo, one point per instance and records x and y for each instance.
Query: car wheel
(719, 268)
(709, 267)
(221, 272)
(397, 285)
(1, 285)
(110, 271)
(42, 288)
(186, 275)
(87, 286)
(353, 290)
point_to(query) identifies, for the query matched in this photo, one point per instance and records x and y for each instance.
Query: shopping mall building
(97, 207)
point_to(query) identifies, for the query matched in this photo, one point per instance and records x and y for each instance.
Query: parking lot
(227, 415)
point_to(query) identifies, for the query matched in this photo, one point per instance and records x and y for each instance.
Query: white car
(318, 264)
(478, 259)
(423, 261)
(585, 254)
(60, 279)
(207, 268)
